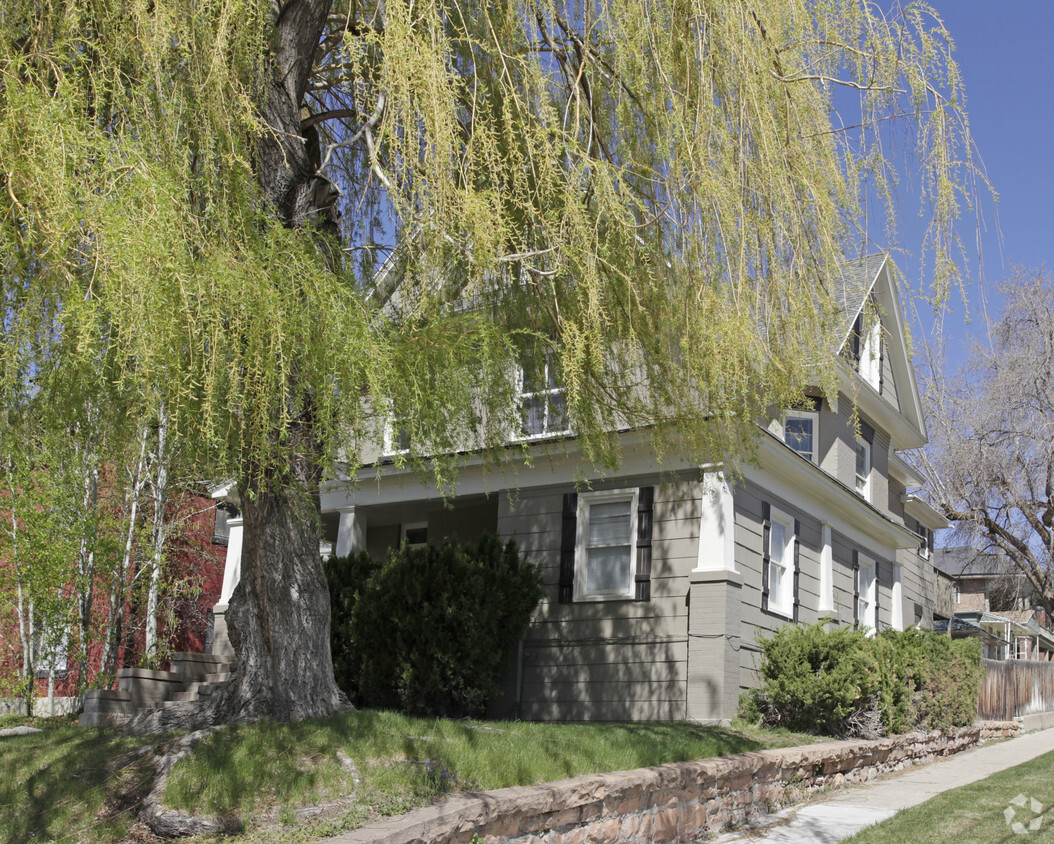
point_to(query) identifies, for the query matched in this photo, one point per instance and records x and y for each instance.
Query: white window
(926, 544)
(897, 601)
(415, 534)
(871, 354)
(543, 411)
(865, 611)
(863, 468)
(396, 436)
(1022, 647)
(51, 645)
(800, 432)
(606, 545)
(781, 563)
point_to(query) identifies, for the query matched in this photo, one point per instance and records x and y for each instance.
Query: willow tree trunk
(278, 616)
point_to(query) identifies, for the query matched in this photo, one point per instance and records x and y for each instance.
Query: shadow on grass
(56, 782)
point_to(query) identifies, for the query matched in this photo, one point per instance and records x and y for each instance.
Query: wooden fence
(1013, 688)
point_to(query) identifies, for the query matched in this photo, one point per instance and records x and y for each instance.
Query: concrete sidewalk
(842, 813)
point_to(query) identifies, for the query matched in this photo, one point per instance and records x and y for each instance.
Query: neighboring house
(660, 578)
(195, 559)
(994, 596)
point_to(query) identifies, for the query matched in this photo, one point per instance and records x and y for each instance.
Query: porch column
(714, 609)
(232, 573)
(717, 520)
(714, 606)
(351, 533)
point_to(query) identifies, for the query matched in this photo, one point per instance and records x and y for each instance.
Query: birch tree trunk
(119, 585)
(159, 534)
(85, 585)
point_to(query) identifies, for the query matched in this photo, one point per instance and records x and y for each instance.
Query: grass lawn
(353, 768)
(976, 814)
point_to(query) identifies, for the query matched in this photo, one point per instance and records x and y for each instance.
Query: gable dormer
(878, 373)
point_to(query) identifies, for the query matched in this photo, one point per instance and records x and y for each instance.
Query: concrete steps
(192, 677)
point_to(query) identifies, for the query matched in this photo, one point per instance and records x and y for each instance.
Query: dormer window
(865, 346)
(543, 412)
(801, 430)
(863, 468)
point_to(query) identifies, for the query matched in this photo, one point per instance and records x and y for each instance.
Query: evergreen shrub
(840, 682)
(430, 630)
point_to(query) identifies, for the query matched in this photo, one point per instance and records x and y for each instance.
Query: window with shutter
(607, 562)
(780, 571)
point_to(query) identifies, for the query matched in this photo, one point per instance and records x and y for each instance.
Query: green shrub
(813, 680)
(430, 630)
(843, 683)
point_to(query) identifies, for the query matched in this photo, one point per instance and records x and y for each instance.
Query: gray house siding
(606, 660)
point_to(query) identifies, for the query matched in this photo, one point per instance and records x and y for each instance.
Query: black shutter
(881, 357)
(645, 504)
(568, 538)
(854, 339)
(797, 567)
(766, 528)
(856, 590)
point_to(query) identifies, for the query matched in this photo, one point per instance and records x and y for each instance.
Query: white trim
(406, 527)
(897, 599)
(585, 502)
(826, 569)
(550, 394)
(782, 604)
(871, 350)
(867, 618)
(232, 567)
(351, 532)
(813, 416)
(863, 483)
(717, 524)
(923, 512)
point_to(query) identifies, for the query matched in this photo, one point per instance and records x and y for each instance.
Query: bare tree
(991, 459)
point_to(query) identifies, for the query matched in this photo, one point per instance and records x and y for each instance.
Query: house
(992, 595)
(660, 578)
(194, 565)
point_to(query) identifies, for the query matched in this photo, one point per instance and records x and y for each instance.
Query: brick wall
(674, 802)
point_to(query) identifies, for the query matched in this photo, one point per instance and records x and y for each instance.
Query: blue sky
(1004, 52)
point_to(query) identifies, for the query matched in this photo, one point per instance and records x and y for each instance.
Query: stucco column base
(221, 643)
(713, 645)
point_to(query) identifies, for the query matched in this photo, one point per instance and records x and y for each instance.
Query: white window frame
(897, 600)
(585, 502)
(868, 588)
(812, 416)
(52, 649)
(871, 353)
(549, 393)
(826, 570)
(409, 526)
(389, 445)
(783, 559)
(927, 541)
(863, 482)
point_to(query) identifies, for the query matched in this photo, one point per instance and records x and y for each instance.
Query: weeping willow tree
(288, 220)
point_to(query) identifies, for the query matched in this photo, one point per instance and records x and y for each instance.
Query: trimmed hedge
(840, 682)
(430, 630)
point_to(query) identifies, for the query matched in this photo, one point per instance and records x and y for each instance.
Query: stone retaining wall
(676, 802)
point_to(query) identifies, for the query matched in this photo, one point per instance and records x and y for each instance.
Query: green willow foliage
(653, 194)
